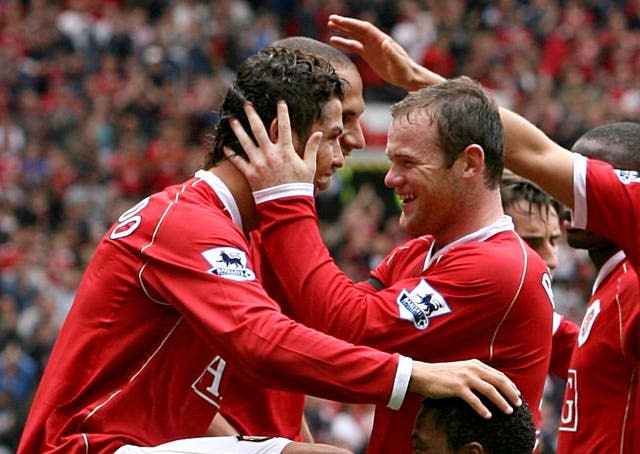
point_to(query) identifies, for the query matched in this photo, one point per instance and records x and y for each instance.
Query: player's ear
(273, 130)
(471, 161)
(473, 448)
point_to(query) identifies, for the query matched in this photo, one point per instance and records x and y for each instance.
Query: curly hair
(305, 82)
(501, 434)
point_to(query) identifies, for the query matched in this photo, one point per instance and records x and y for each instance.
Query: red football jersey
(601, 396)
(485, 296)
(607, 202)
(168, 299)
(250, 407)
(564, 337)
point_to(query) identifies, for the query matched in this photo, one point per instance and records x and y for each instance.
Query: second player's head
(308, 84)
(535, 216)
(451, 426)
(353, 103)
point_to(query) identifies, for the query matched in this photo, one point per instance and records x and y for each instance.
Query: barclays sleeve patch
(420, 304)
(229, 262)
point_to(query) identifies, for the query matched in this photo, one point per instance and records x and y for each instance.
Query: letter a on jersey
(420, 304)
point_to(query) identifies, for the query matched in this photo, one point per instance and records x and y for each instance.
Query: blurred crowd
(104, 102)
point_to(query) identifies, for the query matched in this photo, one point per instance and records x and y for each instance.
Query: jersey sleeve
(565, 333)
(211, 282)
(607, 201)
(629, 317)
(326, 299)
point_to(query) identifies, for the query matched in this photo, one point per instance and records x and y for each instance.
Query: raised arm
(529, 152)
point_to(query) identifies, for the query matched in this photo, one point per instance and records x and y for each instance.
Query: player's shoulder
(407, 251)
(500, 248)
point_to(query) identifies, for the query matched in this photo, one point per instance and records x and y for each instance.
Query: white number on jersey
(129, 221)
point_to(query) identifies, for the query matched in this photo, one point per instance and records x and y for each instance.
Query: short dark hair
(500, 434)
(615, 143)
(305, 82)
(514, 189)
(335, 56)
(464, 114)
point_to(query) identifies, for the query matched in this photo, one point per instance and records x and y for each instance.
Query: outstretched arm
(273, 164)
(529, 152)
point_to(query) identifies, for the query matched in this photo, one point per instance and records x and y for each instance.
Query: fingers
(352, 27)
(311, 149)
(347, 45)
(284, 125)
(243, 138)
(256, 124)
(494, 385)
(467, 380)
(474, 402)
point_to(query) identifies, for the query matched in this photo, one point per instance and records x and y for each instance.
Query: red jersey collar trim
(223, 193)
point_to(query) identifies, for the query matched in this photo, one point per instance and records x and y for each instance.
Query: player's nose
(352, 139)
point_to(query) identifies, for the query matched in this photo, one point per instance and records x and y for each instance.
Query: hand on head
(271, 164)
(461, 379)
(379, 50)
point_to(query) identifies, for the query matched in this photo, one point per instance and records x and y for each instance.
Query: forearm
(320, 295)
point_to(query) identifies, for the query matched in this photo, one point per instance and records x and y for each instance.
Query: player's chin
(322, 183)
(407, 224)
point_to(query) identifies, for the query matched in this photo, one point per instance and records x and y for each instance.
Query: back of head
(464, 114)
(336, 57)
(501, 434)
(615, 143)
(514, 189)
(305, 82)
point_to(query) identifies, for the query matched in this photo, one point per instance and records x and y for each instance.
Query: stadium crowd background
(104, 102)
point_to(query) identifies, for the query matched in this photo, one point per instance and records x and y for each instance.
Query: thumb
(311, 150)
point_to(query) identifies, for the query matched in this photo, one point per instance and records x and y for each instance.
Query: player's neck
(473, 214)
(599, 256)
(241, 192)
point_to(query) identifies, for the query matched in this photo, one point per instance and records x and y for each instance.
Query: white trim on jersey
(283, 190)
(213, 445)
(502, 224)
(579, 215)
(401, 382)
(223, 194)
(607, 268)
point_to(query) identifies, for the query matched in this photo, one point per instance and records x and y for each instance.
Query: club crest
(587, 322)
(229, 262)
(628, 176)
(420, 304)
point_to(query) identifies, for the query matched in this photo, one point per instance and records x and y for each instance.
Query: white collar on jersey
(607, 268)
(502, 224)
(223, 193)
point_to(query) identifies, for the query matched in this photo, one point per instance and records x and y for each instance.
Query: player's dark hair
(464, 114)
(500, 434)
(305, 82)
(336, 57)
(615, 143)
(514, 189)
